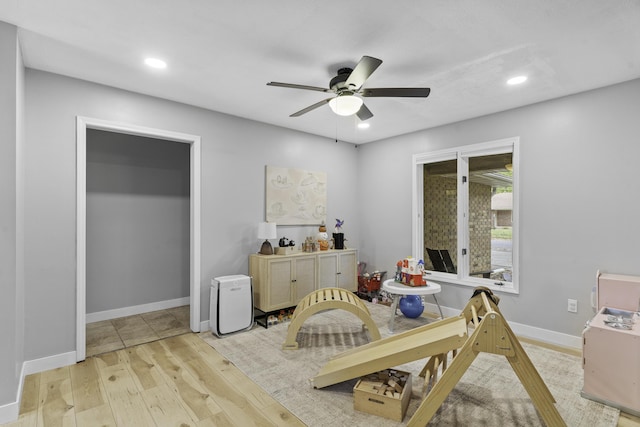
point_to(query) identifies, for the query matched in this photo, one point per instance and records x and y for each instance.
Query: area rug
(489, 393)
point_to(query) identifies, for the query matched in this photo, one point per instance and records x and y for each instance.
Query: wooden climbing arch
(325, 299)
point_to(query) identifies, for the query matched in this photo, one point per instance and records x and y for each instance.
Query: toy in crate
(410, 272)
(386, 394)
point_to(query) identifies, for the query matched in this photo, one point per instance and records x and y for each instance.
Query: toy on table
(410, 272)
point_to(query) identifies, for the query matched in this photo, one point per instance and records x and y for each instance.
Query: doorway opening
(83, 124)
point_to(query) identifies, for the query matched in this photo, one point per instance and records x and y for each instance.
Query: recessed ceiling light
(155, 63)
(517, 80)
(363, 125)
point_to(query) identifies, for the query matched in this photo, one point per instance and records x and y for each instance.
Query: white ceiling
(222, 53)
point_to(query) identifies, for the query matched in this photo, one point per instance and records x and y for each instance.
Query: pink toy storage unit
(611, 344)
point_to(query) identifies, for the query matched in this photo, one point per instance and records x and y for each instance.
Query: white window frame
(462, 154)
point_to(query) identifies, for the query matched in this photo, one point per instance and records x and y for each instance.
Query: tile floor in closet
(116, 334)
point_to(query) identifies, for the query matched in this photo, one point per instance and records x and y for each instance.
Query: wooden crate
(386, 394)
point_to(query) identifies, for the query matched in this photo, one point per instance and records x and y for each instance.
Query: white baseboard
(446, 311)
(10, 411)
(547, 336)
(136, 309)
(539, 334)
(49, 362)
(204, 326)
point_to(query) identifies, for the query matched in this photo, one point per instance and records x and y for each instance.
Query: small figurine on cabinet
(322, 237)
(284, 242)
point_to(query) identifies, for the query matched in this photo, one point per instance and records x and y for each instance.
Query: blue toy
(411, 306)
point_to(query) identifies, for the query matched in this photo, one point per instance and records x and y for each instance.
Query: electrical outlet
(572, 306)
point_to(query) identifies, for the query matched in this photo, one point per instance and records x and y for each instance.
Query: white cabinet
(281, 281)
(338, 269)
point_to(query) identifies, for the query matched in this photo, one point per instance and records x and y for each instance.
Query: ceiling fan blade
(311, 107)
(294, 86)
(364, 113)
(407, 92)
(362, 71)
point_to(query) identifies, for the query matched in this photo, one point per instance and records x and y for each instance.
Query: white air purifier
(231, 304)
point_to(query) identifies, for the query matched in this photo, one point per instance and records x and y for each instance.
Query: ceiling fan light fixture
(345, 105)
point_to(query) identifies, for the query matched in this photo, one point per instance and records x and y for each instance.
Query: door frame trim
(84, 123)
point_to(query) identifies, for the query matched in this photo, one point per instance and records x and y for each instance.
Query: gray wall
(234, 155)
(11, 229)
(137, 220)
(579, 199)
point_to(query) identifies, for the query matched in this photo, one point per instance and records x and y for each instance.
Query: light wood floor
(179, 381)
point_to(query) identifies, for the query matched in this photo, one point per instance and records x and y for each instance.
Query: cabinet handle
(293, 281)
(338, 272)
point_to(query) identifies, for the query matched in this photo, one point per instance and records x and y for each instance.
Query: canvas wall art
(296, 196)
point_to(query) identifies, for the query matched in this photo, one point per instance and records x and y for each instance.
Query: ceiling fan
(347, 84)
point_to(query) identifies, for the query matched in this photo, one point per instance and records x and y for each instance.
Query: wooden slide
(325, 299)
(491, 334)
(434, 338)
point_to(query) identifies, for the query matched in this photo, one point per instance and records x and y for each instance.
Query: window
(465, 214)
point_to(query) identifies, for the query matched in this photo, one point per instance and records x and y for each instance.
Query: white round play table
(398, 289)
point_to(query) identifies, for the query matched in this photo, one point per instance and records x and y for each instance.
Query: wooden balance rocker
(491, 334)
(325, 299)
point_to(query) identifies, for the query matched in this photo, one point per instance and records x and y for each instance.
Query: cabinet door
(305, 277)
(347, 277)
(280, 284)
(328, 270)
